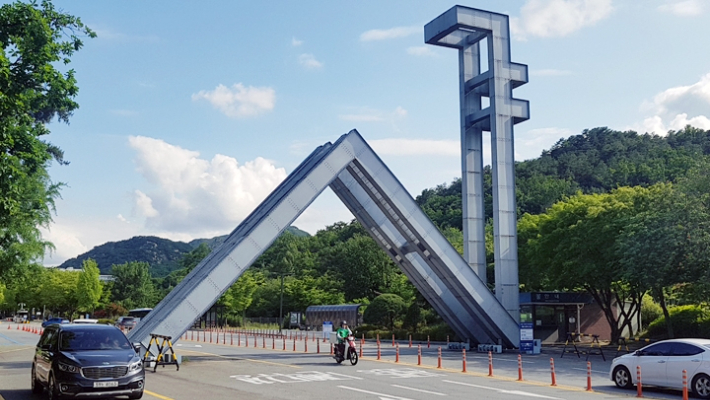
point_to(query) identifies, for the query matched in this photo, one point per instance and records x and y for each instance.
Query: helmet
(343, 323)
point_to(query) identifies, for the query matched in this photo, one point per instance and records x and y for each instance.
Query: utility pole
(281, 306)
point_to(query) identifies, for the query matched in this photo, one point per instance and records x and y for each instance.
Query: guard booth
(556, 313)
(316, 315)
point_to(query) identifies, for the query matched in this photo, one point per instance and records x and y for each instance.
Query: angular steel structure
(379, 201)
(464, 29)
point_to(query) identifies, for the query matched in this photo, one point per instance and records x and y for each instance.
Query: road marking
(381, 395)
(515, 392)
(160, 396)
(239, 359)
(404, 373)
(299, 377)
(419, 390)
(7, 338)
(10, 351)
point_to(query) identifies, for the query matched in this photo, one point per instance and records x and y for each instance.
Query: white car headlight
(68, 368)
(136, 366)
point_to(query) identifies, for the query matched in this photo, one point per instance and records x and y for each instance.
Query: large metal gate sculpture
(388, 212)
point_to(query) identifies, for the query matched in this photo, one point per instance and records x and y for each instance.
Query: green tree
(132, 285)
(36, 40)
(2, 293)
(240, 295)
(58, 291)
(384, 310)
(89, 287)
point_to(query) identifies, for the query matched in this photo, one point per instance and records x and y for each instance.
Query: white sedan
(662, 364)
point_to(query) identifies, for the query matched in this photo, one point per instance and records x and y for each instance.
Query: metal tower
(464, 29)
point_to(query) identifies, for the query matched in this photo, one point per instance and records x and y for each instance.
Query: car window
(658, 349)
(93, 340)
(685, 349)
(46, 337)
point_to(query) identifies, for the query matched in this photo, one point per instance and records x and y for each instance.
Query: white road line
(516, 392)
(388, 396)
(419, 390)
(596, 372)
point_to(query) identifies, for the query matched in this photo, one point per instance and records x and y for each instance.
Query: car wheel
(36, 385)
(136, 395)
(622, 377)
(52, 389)
(701, 386)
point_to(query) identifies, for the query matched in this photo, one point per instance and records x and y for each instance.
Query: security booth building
(316, 315)
(554, 314)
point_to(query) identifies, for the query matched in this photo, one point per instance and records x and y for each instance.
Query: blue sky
(192, 112)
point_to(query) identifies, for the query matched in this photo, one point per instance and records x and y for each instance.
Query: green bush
(384, 310)
(688, 321)
(106, 321)
(650, 310)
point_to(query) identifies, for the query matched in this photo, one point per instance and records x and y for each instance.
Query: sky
(192, 112)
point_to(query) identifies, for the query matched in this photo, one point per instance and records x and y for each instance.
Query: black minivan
(86, 361)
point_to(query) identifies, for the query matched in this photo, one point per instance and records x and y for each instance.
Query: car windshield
(108, 339)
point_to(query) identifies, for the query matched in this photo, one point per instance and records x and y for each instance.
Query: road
(231, 370)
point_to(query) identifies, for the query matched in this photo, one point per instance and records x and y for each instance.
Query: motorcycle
(351, 353)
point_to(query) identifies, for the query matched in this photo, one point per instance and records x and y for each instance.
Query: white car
(662, 364)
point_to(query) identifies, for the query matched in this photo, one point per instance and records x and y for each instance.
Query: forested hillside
(595, 161)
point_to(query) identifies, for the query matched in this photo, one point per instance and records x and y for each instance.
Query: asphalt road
(230, 370)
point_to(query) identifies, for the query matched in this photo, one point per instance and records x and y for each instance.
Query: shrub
(650, 310)
(384, 309)
(688, 321)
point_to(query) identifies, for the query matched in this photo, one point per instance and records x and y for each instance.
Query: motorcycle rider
(343, 332)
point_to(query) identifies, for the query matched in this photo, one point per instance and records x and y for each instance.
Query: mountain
(163, 255)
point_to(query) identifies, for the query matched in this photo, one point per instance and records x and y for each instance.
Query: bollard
(362, 344)
(263, 342)
(231, 338)
(520, 367)
(294, 343)
(210, 335)
(317, 346)
(224, 337)
(428, 342)
(464, 360)
(378, 338)
(589, 377)
(438, 361)
(410, 341)
(331, 349)
(378, 349)
(305, 346)
(419, 354)
(393, 340)
(283, 339)
(246, 339)
(490, 364)
(192, 335)
(685, 385)
(639, 390)
(552, 372)
(255, 345)
(396, 357)
(273, 343)
(239, 338)
(204, 336)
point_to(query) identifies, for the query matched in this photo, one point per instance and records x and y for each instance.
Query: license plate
(105, 384)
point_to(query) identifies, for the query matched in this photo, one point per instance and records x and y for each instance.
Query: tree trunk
(666, 314)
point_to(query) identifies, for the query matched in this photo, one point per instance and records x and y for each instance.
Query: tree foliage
(36, 40)
(89, 287)
(132, 285)
(384, 309)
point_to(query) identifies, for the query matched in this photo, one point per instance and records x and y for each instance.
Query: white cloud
(194, 196)
(683, 8)
(530, 144)
(421, 51)
(239, 101)
(550, 72)
(122, 219)
(677, 107)
(295, 42)
(416, 147)
(392, 33)
(556, 18)
(309, 61)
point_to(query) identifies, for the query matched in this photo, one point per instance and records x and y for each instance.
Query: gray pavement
(230, 370)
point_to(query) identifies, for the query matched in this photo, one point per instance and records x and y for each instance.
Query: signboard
(526, 333)
(327, 329)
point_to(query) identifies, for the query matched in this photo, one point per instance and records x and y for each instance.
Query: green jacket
(343, 333)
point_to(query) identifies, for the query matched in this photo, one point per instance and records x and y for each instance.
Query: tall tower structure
(486, 97)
